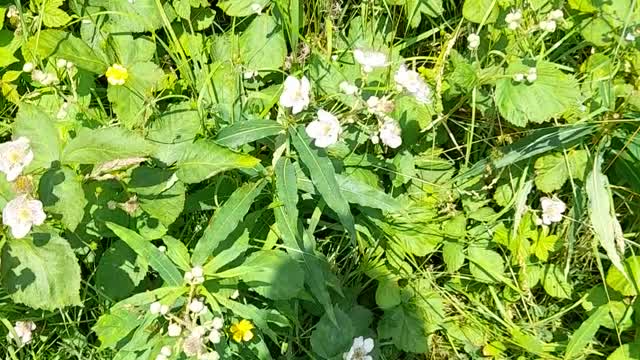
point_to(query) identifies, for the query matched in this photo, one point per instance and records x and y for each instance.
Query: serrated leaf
(324, 179)
(330, 339)
(244, 132)
(485, 265)
(553, 170)
(274, 274)
(453, 254)
(52, 15)
(477, 10)
(262, 44)
(626, 283)
(41, 271)
(204, 159)
(134, 16)
(37, 126)
(119, 271)
(553, 93)
(147, 251)
(61, 44)
(388, 294)
(95, 146)
(626, 352)
(61, 193)
(225, 220)
(554, 282)
(405, 327)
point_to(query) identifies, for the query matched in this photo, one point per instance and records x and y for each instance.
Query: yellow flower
(117, 74)
(242, 331)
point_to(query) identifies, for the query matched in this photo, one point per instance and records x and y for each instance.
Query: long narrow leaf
(225, 220)
(158, 261)
(581, 337)
(245, 132)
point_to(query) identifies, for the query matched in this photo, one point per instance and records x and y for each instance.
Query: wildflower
(193, 345)
(556, 15)
(196, 306)
(21, 213)
(548, 25)
(513, 19)
(360, 349)
(348, 88)
(162, 248)
(164, 309)
(256, 8)
(630, 37)
(242, 331)
(235, 295)
(28, 67)
(23, 330)
(390, 133)
(12, 12)
(379, 106)
(154, 308)
(249, 74)
(195, 275)
(369, 60)
(44, 78)
(375, 138)
(165, 352)
(14, 157)
(411, 81)
(295, 94)
(216, 325)
(62, 112)
(532, 75)
(209, 356)
(552, 210)
(174, 330)
(117, 74)
(325, 129)
(70, 65)
(518, 77)
(61, 63)
(23, 184)
(473, 41)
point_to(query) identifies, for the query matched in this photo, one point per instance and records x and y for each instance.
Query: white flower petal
(20, 229)
(368, 345)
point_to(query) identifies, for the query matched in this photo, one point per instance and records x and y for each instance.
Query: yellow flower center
(242, 331)
(14, 156)
(24, 215)
(117, 74)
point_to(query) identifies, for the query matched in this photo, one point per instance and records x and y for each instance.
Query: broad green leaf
(477, 10)
(114, 327)
(453, 254)
(388, 294)
(552, 94)
(95, 146)
(324, 178)
(61, 44)
(485, 265)
(9, 43)
(244, 132)
(543, 244)
(130, 51)
(626, 283)
(602, 214)
(180, 122)
(553, 170)
(262, 44)
(629, 351)
(177, 252)
(160, 193)
(41, 271)
(329, 339)
(61, 193)
(274, 275)
(204, 159)
(134, 16)
(52, 15)
(241, 7)
(132, 101)
(555, 283)
(147, 251)
(225, 220)
(119, 271)
(415, 8)
(37, 126)
(581, 337)
(405, 327)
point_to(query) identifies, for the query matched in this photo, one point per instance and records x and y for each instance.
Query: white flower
(70, 65)
(196, 306)
(360, 349)
(62, 113)
(195, 275)
(473, 41)
(552, 210)
(209, 356)
(174, 330)
(370, 59)
(513, 19)
(162, 248)
(348, 88)
(166, 351)
(193, 345)
(325, 130)
(21, 213)
(379, 106)
(411, 81)
(61, 63)
(249, 74)
(235, 295)
(518, 77)
(375, 138)
(23, 330)
(164, 309)
(295, 94)
(556, 15)
(217, 323)
(630, 37)
(155, 307)
(28, 67)
(256, 8)
(161, 357)
(214, 336)
(12, 12)
(532, 75)
(14, 157)
(390, 133)
(44, 78)
(548, 25)
(198, 331)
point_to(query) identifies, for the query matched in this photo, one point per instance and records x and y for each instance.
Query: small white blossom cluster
(24, 332)
(47, 78)
(360, 349)
(473, 41)
(531, 75)
(195, 276)
(12, 12)
(21, 213)
(513, 19)
(369, 60)
(413, 83)
(552, 210)
(551, 22)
